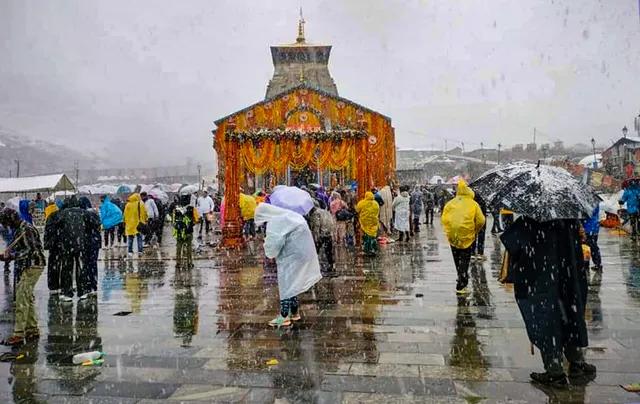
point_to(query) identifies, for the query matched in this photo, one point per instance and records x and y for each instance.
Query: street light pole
(499, 147)
(17, 168)
(200, 176)
(624, 132)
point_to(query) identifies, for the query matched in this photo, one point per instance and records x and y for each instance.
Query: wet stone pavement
(201, 336)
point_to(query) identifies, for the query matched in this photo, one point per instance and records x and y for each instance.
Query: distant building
(532, 147)
(518, 148)
(620, 153)
(558, 146)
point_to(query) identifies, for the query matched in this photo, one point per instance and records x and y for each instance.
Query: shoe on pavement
(280, 322)
(474, 258)
(130, 256)
(597, 268)
(295, 317)
(13, 341)
(66, 299)
(83, 297)
(482, 257)
(558, 381)
(463, 291)
(54, 292)
(581, 369)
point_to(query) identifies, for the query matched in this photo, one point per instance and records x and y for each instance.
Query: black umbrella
(542, 193)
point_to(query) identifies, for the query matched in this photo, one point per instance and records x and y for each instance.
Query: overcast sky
(144, 80)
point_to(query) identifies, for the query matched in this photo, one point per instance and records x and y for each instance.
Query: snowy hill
(40, 157)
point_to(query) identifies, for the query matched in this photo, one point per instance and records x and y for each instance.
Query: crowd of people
(552, 301)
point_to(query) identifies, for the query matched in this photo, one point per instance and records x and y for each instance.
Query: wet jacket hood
(368, 196)
(464, 190)
(85, 203)
(134, 198)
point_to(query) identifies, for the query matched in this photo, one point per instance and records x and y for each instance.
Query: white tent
(436, 179)
(589, 161)
(41, 183)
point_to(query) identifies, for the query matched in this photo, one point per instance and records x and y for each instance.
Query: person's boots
(558, 381)
(401, 239)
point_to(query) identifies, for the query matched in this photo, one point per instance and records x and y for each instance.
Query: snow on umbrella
(292, 198)
(189, 189)
(175, 187)
(489, 183)
(159, 195)
(124, 189)
(544, 193)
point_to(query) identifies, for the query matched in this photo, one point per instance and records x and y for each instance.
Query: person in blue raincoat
(591, 229)
(110, 219)
(550, 287)
(631, 197)
(25, 211)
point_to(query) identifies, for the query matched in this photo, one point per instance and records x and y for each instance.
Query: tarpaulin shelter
(40, 183)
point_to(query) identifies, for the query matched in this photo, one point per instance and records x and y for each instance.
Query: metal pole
(75, 167)
(499, 146)
(17, 168)
(200, 176)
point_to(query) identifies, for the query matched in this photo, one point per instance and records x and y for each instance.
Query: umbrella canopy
(163, 187)
(124, 189)
(455, 179)
(292, 198)
(175, 187)
(542, 193)
(159, 195)
(189, 189)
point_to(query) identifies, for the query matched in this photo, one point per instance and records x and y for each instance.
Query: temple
(302, 133)
(300, 62)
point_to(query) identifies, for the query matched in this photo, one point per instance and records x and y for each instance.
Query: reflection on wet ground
(386, 330)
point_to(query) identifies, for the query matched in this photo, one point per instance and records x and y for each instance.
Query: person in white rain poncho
(289, 241)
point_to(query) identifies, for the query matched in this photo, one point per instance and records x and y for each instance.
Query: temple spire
(301, 23)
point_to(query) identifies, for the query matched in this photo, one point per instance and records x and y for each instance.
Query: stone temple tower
(300, 62)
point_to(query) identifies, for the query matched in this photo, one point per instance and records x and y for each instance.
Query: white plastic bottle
(86, 356)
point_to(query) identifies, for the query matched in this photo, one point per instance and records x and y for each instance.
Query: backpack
(344, 215)
(182, 223)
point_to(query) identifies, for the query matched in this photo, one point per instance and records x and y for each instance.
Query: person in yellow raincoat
(248, 212)
(134, 214)
(368, 211)
(51, 207)
(462, 219)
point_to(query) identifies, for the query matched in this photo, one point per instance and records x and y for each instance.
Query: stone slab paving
(200, 336)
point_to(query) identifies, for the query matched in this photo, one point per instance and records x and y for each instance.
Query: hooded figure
(386, 210)
(401, 207)
(368, 216)
(416, 207)
(550, 286)
(110, 214)
(134, 214)
(288, 240)
(462, 219)
(25, 211)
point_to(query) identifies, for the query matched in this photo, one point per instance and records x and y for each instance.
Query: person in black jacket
(52, 243)
(93, 242)
(74, 245)
(550, 286)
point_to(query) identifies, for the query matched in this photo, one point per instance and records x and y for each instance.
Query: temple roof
(293, 89)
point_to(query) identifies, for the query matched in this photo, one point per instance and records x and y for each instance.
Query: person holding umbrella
(545, 262)
(550, 286)
(462, 220)
(289, 242)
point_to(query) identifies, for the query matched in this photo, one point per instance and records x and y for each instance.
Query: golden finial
(301, 23)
